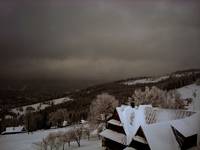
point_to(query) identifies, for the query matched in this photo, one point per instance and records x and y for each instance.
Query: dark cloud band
(98, 39)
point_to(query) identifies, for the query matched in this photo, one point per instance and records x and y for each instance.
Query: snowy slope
(26, 141)
(41, 106)
(146, 80)
(191, 91)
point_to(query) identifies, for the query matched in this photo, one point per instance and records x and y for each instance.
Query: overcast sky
(97, 39)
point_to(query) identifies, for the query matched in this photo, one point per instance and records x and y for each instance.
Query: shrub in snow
(51, 140)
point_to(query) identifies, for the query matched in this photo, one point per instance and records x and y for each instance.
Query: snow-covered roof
(115, 122)
(84, 121)
(13, 129)
(140, 139)
(188, 126)
(115, 136)
(160, 136)
(65, 123)
(129, 148)
(132, 118)
(155, 115)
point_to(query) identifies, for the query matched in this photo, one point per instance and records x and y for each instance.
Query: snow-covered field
(41, 106)
(26, 141)
(191, 91)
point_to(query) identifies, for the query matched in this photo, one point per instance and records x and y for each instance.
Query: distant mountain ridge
(121, 89)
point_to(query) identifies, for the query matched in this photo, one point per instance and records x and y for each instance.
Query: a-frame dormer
(139, 141)
(115, 124)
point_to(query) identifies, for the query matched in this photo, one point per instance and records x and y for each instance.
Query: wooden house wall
(185, 142)
(115, 128)
(115, 115)
(140, 133)
(139, 146)
(112, 145)
(190, 142)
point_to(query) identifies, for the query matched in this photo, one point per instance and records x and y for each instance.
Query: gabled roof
(132, 118)
(156, 124)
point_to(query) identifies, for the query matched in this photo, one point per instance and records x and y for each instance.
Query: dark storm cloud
(98, 39)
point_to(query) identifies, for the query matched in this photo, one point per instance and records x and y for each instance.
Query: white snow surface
(115, 136)
(191, 91)
(188, 126)
(129, 148)
(25, 141)
(160, 136)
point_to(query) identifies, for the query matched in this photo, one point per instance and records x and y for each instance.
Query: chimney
(132, 104)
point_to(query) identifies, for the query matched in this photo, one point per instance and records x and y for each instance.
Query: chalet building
(149, 128)
(14, 130)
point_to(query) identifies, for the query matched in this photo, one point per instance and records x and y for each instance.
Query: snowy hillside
(191, 91)
(26, 141)
(40, 106)
(146, 80)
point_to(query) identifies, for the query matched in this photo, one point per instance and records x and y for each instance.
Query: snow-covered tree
(86, 132)
(58, 139)
(103, 106)
(157, 97)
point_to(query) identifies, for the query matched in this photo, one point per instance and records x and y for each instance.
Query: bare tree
(66, 139)
(44, 144)
(103, 106)
(51, 140)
